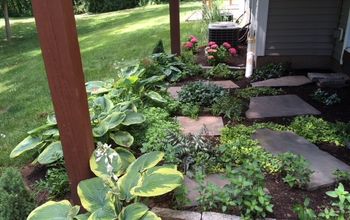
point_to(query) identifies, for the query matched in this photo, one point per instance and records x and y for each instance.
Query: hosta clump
(202, 93)
(295, 170)
(245, 192)
(120, 183)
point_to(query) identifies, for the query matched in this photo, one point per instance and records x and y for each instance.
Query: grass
(106, 41)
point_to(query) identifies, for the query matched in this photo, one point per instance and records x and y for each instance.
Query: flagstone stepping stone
(170, 214)
(173, 91)
(283, 81)
(322, 163)
(192, 186)
(207, 125)
(218, 216)
(336, 80)
(278, 106)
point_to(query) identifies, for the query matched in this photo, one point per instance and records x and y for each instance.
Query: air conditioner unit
(224, 32)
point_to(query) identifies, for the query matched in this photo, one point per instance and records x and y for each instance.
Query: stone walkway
(207, 125)
(283, 81)
(279, 106)
(322, 163)
(336, 80)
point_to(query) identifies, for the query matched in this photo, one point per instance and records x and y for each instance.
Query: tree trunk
(7, 20)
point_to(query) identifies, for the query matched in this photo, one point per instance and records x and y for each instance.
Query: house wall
(302, 27)
(343, 19)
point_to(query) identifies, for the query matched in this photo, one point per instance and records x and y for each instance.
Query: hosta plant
(116, 191)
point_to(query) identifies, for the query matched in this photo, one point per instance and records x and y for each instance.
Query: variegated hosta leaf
(114, 119)
(39, 130)
(146, 161)
(97, 87)
(27, 144)
(62, 210)
(94, 196)
(158, 181)
(156, 96)
(52, 153)
(100, 130)
(106, 213)
(51, 120)
(126, 157)
(133, 212)
(150, 216)
(122, 138)
(104, 103)
(126, 183)
(133, 118)
(105, 163)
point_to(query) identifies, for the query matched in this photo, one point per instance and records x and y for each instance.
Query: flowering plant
(191, 44)
(219, 54)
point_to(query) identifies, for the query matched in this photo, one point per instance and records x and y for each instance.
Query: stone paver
(209, 124)
(192, 186)
(226, 84)
(283, 81)
(169, 214)
(278, 106)
(322, 163)
(218, 216)
(328, 76)
(173, 91)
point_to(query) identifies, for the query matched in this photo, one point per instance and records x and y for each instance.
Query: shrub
(201, 93)
(219, 54)
(15, 201)
(56, 183)
(325, 97)
(190, 110)
(159, 48)
(249, 92)
(98, 6)
(271, 70)
(223, 71)
(191, 44)
(191, 67)
(228, 106)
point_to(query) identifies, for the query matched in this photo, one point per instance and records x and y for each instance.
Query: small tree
(5, 11)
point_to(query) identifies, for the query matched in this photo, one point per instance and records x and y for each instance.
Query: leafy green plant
(159, 48)
(304, 212)
(228, 106)
(190, 110)
(318, 130)
(191, 67)
(201, 93)
(56, 183)
(295, 170)
(271, 70)
(249, 92)
(121, 181)
(15, 201)
(342, 176)
(325, 97)
(221, 70)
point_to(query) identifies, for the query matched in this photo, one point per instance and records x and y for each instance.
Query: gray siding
(301, 27)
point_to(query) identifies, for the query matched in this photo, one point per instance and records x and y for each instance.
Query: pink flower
(214, 46)
(211, 43)
(226, 45)
(188, 45)
(211, 51)
(233, 51)
(194, 40)
(210, 57)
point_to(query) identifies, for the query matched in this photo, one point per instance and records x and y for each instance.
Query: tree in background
(5, 12)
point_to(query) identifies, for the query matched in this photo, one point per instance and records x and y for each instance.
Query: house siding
(302, 27)
(338, 48)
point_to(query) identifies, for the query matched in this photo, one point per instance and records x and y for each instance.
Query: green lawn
(106, 40)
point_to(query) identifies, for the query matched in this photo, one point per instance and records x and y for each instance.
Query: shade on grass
(106, 40)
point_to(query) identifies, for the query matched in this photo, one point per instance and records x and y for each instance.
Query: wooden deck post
(60, 48)
(174, 9)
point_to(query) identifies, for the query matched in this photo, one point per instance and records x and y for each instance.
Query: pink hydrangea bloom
(214, 46)
(210, 57)
(211, 51)
(211, 43)
(233, 51)
(194, 40)
(226, 45)
(188, 45)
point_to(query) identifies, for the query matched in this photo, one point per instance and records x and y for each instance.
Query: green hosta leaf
(133, 118)
(122, 138)
(126, 183)
(146, 161)
(114, 119)
(28, 143)
(133, 212)
(51, 133)
(52, 153)
(51, 120)
(62, 210)
(156, 96)
(93, 194)
(105, 103)
(99, 167)
(150, 216)
(126, 157)
(96, 87)
(100, 130)
(106, 213)
(84, 216)
(158, 181)
(40, 129)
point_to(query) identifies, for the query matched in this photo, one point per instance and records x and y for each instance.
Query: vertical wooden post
(60, 48)
(174, 9)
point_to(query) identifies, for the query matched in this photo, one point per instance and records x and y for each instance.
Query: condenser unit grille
(224, 32)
